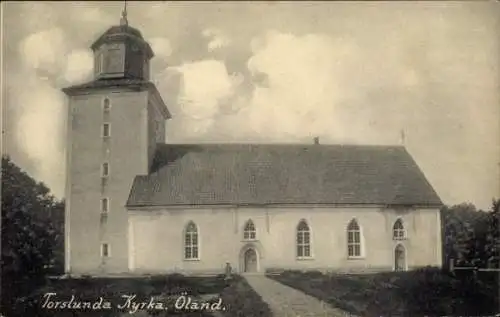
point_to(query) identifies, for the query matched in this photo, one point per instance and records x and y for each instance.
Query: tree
(29, 235)
(458, 233)
(492, 240)
(471, 236)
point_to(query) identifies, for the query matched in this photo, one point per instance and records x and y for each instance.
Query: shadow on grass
(424, 292)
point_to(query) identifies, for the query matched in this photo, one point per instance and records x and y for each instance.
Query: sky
(277, 72)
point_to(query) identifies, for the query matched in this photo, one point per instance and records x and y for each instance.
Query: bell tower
(121, 52)
(114, 123)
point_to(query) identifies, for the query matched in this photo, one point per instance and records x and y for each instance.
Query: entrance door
(399, 258)
(250, 261)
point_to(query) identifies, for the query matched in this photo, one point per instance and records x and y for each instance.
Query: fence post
(452, 265)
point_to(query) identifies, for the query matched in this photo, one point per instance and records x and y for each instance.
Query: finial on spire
(123, 20)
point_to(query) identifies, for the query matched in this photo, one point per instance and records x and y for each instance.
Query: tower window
(104, 205)
(105, 169)
(105, 250)
(106, 130)
(106, 105)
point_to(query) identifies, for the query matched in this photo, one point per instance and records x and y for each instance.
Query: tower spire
(123, 20)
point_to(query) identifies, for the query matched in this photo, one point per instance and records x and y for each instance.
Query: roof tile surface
(246, 174)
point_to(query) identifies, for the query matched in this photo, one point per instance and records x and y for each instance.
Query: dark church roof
(118, 30)
(122, 33)
(264, 174)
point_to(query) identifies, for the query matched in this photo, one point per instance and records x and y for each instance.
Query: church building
(137, 205)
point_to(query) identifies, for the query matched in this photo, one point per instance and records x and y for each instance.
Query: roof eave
(163, 106)
(76, 89)
(138, 206)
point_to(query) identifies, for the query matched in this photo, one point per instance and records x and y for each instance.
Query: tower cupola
(122, 52)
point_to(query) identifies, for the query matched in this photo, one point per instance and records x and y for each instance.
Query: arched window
(303, 240)
(249, 232)
(398, 230)
(353, 239)
(191, 242)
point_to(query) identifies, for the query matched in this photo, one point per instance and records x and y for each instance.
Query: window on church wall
(191, 242)
(249, 231)
(303, 240)
(353, 239)
(398, 230)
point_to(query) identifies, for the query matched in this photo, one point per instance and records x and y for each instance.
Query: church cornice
(377, 207)
(124, 84)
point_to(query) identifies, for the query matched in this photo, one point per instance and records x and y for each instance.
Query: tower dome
(122, 52)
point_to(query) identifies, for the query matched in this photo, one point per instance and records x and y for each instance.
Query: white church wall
(158, 239)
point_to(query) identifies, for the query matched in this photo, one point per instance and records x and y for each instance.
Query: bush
(426, 291)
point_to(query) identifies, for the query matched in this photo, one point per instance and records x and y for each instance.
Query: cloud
(352, 83)
(42, 50)
(39, 129)
(300, 84)
(47, 65)
(205, 85)
(295, 97)
(79, 66)
(161, 47)
(217, 39)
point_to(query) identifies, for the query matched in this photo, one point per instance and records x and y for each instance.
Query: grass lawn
(424, 292)
(113, 288)
(243, 301)
(237, 296)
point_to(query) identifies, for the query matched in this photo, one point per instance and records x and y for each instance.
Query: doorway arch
(249, 259)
